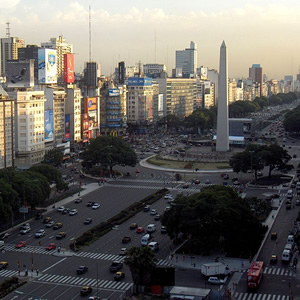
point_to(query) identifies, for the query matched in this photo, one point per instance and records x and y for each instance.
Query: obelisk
(222, 118)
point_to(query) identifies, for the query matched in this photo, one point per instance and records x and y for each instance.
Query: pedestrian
(37, 272)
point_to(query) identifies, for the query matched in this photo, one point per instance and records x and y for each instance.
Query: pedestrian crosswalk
(8, 273)
(276, 271)
(77, 280)
(254, 296)
(28, 249)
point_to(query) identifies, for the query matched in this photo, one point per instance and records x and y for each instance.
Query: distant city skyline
(255, 31)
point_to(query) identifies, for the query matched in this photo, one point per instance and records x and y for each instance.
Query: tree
(141, 261)
(170, 121)
(54, 157)
(108, 151)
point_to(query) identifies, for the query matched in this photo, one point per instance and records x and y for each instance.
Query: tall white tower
(222, 118)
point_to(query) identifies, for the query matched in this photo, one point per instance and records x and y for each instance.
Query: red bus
(254, 274)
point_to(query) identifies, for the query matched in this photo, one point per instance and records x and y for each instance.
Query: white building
(29, 127)
(187, 60)
(213, 76)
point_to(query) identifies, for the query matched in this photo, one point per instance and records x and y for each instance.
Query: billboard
(161, 102)
(67, 127)
(113, 92)
(49, 132)
(137, 81)
(90, 104)
(203, 73)
(69, 68)
(20, 73)
(47, 66)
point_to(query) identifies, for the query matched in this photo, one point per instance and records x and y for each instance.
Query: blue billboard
(113, 92)
(49, 132)
(137, 81)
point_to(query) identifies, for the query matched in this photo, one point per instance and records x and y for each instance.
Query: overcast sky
(262, 32)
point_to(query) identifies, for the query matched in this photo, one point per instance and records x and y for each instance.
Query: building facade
(256, 74)
(186, 60)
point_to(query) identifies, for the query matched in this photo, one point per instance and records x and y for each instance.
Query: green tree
(54, 157)
(170, 122)
(141, 261)
(108, 151)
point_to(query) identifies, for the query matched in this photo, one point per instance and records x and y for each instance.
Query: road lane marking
(54, 264)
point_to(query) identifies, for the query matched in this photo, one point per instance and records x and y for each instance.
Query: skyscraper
(186, 60)
(9, 50)
(222, 118)
(255, 73)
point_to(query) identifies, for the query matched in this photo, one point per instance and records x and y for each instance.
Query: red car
(140, 230)
(21, 244)
(51, 246)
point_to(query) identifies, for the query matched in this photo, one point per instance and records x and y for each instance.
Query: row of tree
(291, 120)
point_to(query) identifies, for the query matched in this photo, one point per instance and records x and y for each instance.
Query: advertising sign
(67, 127)
(47, 66)
(90, 104)
(160, 102)
(20, 73)
(137, 81)
(113, 92)
(68, 68)
(49, 132)
(203, 73)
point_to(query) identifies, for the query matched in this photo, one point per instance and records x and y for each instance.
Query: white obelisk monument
(222, 117)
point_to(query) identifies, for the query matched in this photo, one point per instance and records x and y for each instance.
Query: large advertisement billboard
(137, 81)
(161, 102)
(47, 66)
(68, 68)
(67, 127)
(20, 74)
(49, 131)
(90, 104)
(113, 92)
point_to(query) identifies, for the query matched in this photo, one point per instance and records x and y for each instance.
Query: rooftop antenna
(90, 35)
(155, 46)
(7, 30)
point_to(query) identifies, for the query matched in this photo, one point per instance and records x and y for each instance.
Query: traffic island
(9, 285)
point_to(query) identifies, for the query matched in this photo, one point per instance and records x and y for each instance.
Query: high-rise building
(155, 70)
(62, 47)
(213, 76)
(7, 130)
(186, 60)
(30, 52)
(256, 74)
(9, 50)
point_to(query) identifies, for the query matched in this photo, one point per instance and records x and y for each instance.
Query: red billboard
(68, 68)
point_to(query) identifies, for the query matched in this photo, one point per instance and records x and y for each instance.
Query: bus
(255, 274)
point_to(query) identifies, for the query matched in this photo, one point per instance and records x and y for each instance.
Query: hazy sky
(255, 31)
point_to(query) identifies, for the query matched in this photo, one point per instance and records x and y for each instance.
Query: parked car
(82, 269)
(126, 239)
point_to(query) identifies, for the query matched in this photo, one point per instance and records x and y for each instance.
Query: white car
(73, 212)
(50, 224)
(96, 206)
(215, 280)
(40, 233)
(25, 230)
(153, 212)
(61, 208)
(168, 196)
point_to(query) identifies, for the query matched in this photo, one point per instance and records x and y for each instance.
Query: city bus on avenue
(254, 275)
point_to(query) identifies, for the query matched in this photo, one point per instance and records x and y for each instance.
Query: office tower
(222, 117)
(121, 72)
(30, 52)
(7, 132)
(62, 47)
(255, 73)
(155, 70)
(91, 75)
(9, 50)
(187, 61)
(213, 76)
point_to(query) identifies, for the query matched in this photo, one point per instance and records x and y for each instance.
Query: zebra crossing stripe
(106, 284)
(66, 279)
(255, 295)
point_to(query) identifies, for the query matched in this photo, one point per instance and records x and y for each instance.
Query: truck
(214, 269)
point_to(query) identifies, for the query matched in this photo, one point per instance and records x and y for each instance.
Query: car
(185, 186)
(140, 230)
(95, 298)
(276, 195)
(215, 280)
(85, 290)
(133, 226)
(167, 208)
(21, 244)
(3, 265)
(40, 233)
(207, 181)
(297, 202)
(88, 221)
(4, 235)
(47, 220)
(50, 224)
(293, 185)
(168, 196)
(82, 175)
(123, 251)
(61, 235)
(273, 235)
(78, 200)
(236, 182)
(119, 276)
(65, 211)
(115, 266)
(163, 230)
(90, 203)
(226, 177)
(260, 174)
(153, 212)
(273, 259)
(73, 212)
(96, 206)
(60, 209)
(82, 269)
(126, 239)
(157, 217)
(25, 226)
(146, 208)
(57, 226)
(51, 246)
(196, 181)
(25, 230)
